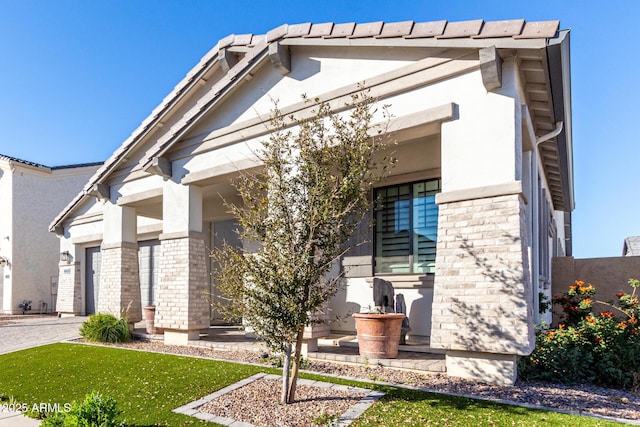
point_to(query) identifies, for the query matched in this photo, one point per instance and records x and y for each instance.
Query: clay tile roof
(477, 29)
(321, 30)
(38, 165)
(298, 30)
(534, 30)
(277, 33)
(462, 29)
(23, 162)
(501, 29)
(371, 29)
(396, 29)
(242, 40)
(427, 29)
(76, 165)
(227, 41)
(342, 30)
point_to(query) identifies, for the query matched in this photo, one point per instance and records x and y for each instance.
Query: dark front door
(92, 278)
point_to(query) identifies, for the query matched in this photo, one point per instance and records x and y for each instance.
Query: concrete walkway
(22, 332)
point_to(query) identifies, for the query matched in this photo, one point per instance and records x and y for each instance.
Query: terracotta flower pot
(149, 318)
(378, 334)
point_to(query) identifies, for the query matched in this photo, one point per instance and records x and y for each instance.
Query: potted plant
(378, 333)
(149, 317)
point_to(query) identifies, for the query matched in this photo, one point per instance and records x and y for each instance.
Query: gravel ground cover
(312, 403)
(585, 399)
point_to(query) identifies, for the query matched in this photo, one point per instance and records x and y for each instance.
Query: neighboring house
(469, 220)
(30, 195)
(631, 246)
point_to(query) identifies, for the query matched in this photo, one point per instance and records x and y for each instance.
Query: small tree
(301, 209)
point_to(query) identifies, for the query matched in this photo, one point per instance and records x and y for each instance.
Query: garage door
(93, 259)
(149, 257)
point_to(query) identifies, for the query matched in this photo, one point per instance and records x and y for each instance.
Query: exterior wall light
(65, 256)
(3, 261)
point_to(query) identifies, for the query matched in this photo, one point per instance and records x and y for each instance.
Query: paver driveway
(21, 332)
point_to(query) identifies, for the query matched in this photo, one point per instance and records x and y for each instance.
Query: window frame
(411, 220)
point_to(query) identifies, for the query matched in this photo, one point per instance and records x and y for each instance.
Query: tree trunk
(296, 366)
(285, 374)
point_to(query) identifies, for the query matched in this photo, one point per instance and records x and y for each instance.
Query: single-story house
(478, 204)
(30, 195)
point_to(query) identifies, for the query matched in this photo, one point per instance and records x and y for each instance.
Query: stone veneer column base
(182, 309)
(482, 297)
(119, 291)
(69, 298)
(492, 368)
(175, 337)
(482, 312)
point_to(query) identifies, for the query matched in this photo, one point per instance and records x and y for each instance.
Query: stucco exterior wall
(6, 234)
(38, 195)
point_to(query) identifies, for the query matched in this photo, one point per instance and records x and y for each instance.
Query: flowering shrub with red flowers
(586, 347)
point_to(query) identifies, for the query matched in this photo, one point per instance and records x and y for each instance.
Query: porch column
(182, 309)
(482, 306)
(69, 292)
(119, 292)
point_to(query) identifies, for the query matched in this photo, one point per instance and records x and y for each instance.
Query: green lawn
(148, 386)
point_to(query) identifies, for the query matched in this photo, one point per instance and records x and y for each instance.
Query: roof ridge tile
(462, 29)
(298, 30)
(342, 30)
(494, 29)
(277, 33)
(396, 29)
(226, 41)
(427, 29)
(320, 30)
(370, 29)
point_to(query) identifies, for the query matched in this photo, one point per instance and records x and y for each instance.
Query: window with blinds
(406, 227)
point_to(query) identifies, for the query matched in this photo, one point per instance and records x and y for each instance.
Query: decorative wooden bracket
(101, 191)
(59, 230)
(280, 58)
(227, 59)
(491, 68)
(160, 166)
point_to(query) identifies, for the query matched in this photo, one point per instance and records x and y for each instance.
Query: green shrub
(95, 411)
(599, 348)
(105, 328)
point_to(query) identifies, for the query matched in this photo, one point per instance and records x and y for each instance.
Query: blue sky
(77, 77)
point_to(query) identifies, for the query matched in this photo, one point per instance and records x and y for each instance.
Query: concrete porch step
(352, 341)
(416, 361)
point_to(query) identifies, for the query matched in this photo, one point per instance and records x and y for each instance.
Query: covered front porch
(339, 348)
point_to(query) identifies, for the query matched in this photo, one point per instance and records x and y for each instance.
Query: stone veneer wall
(120, 281)
(69, 298)
(482, 294)
(182, 303)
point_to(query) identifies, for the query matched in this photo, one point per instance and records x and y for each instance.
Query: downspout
(536, 284)
(552, 134)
